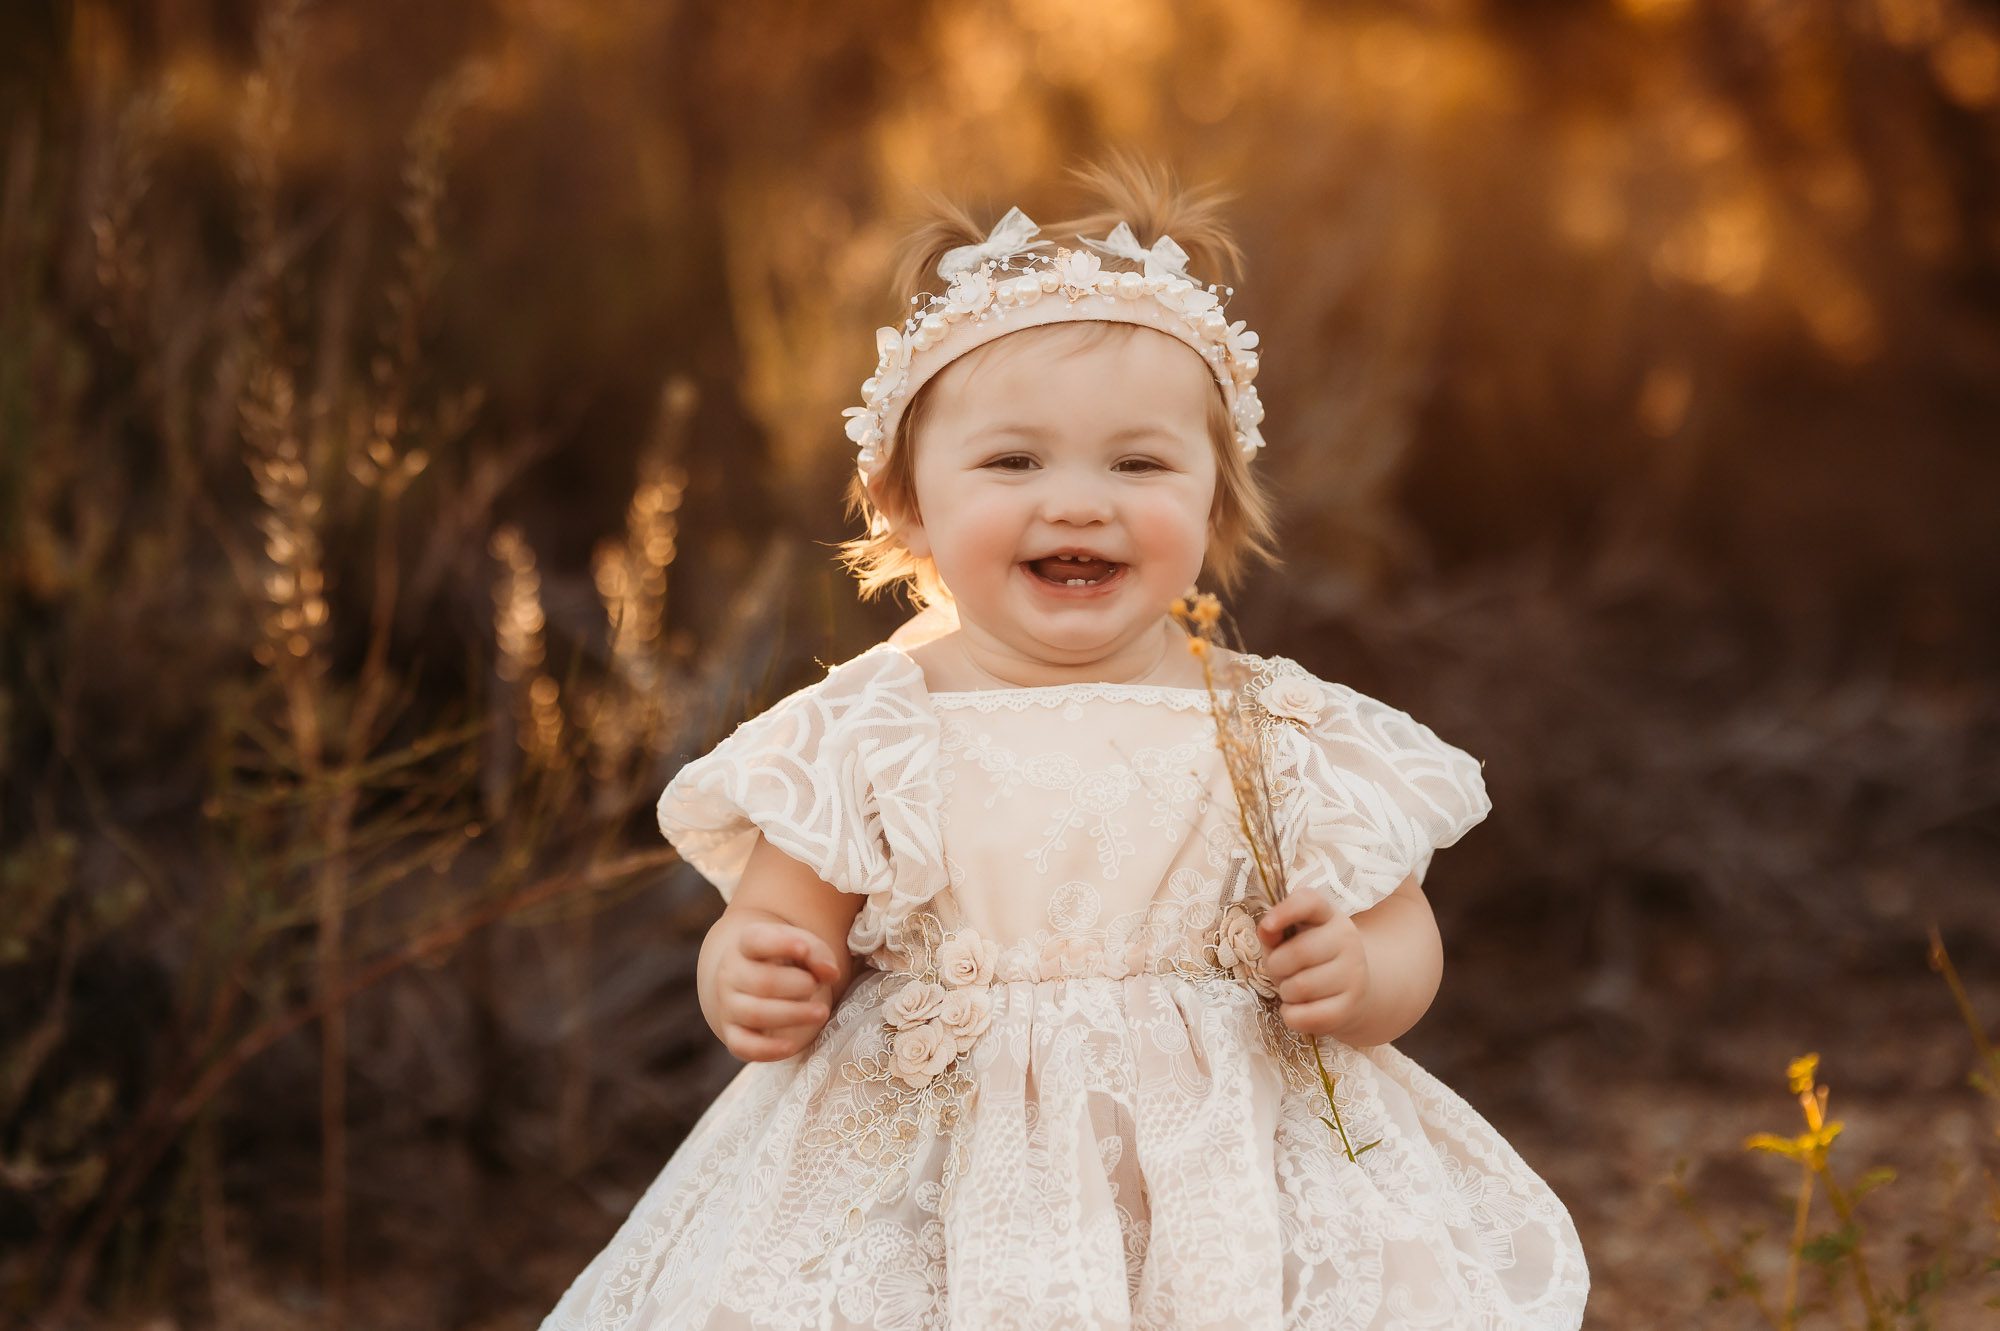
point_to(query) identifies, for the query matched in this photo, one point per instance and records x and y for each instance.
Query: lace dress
(1054, 1096)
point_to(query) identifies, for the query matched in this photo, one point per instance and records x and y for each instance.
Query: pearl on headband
(1004, 284)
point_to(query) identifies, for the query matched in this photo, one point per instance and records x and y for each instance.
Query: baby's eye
(1012, 457)
(1140, 462)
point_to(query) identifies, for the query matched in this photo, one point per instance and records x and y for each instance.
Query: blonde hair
(1242, 527)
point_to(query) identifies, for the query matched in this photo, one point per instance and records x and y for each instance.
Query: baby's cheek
(1167, 527)
(978, 540)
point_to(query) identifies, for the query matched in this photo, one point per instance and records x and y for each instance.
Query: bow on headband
(1011, 235)
(1164, 259)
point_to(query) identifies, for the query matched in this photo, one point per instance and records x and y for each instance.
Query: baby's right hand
(774, 990)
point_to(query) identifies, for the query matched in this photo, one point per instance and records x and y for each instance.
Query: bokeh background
(419, 433)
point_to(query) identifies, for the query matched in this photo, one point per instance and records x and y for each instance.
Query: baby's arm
(1405, 963)
(1365, 978)
(776, 963)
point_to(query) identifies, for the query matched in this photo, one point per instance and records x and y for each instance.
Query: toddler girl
(1025, 1048)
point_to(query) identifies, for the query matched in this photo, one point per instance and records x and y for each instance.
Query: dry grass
(364, 574)
(339, 829)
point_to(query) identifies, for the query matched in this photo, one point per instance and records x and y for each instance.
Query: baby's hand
(1322, 971)
(774, 990)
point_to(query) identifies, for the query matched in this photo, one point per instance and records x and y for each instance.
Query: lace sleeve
(767, 776)
(841, 776)
(1367, 793)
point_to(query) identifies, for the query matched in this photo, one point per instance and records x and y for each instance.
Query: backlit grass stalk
(383, 459)
(622, 719)
(295, 629)
(1986, 1079)
(1241, 743)
(518, 622)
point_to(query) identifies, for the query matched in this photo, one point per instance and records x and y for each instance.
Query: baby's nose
(1072, 500)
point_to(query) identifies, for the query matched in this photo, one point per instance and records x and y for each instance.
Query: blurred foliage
(419, 430)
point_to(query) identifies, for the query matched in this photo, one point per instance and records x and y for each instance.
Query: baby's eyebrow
(1037, 432)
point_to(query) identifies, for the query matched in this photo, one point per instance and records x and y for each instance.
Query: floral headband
(1001, 286)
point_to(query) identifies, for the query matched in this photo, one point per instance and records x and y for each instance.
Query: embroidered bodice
(1086, 829)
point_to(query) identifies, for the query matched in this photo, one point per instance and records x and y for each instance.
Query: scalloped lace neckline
(1021, 698)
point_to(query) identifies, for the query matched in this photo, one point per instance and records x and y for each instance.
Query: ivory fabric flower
(1190, 299)
(1171, 292)
(1239, 950)
(918, 1053)
(1249, 408)
(892, 365)
(1292, 700)
(915, 1003)
(971, 291)
(862, 425)
(966, 1014)
(1079, 270)
(1193, 302)
(965, 958)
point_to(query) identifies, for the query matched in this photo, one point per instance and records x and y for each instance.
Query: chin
(1086, 645)
(1088, 639)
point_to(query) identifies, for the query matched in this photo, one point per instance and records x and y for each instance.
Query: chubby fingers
(771, 1015)
(1311, 947)
(1302, 909)
(768, 940)
(1323, 1016)
(762, 1046)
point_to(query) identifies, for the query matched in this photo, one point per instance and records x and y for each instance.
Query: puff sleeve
(1366, 793)
(841, 776)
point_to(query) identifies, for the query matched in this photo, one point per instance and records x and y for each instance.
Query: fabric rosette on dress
(931, 1024)
(1239, 951)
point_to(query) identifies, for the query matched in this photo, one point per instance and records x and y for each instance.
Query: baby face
(1065, 492)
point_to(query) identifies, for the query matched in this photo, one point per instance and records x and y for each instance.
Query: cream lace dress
(1053, 1097)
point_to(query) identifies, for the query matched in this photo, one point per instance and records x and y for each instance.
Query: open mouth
(1079, 571)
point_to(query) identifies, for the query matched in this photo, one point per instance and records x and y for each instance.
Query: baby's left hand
(1321, 971)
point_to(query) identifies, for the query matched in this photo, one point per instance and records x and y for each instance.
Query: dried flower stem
(1200, 613)
(1985, 1080)
(1940, 961)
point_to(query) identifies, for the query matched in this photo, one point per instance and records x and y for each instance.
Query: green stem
(1845, 1210)
(1741, 1281)
(1327, 1081)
